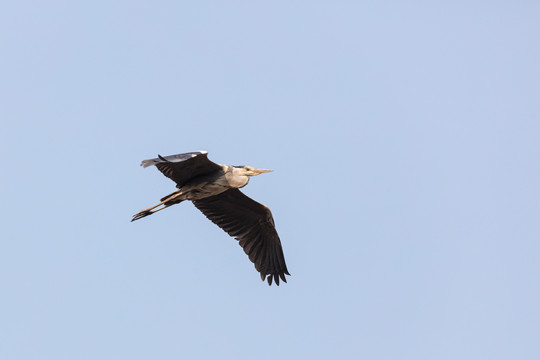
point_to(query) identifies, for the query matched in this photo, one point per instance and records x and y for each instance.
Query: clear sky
(405, 139)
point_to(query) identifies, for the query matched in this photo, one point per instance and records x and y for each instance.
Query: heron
(213, 189)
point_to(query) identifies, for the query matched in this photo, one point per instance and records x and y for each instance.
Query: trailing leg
(165, 203)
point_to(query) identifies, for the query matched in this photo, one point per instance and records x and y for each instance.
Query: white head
(249, 171)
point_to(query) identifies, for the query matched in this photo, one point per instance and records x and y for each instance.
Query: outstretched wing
(251, 223)
(183, 167)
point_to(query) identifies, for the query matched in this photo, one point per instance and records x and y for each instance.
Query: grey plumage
(213, 189)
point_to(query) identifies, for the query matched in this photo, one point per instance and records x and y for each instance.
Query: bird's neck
(236, 178)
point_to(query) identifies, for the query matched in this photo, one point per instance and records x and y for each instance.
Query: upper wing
(251, 223)
(183, 167)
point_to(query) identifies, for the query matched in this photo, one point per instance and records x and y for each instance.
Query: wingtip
(274, 278)
(147, 163)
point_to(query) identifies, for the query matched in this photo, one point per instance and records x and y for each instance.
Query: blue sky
(405, 143)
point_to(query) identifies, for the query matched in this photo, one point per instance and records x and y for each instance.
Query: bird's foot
(141, 214)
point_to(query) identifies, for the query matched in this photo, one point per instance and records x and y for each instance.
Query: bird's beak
(260, 171)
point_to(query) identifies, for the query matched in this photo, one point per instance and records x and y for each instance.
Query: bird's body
(213, 189)
(213, 184)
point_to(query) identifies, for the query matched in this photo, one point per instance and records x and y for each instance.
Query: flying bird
(213, 189)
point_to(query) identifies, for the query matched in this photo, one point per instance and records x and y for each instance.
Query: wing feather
(181, 168)
(252, 224)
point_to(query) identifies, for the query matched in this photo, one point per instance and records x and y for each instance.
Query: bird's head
(250, 171)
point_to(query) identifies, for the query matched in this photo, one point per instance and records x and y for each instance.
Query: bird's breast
(213, 185)
(207, 189)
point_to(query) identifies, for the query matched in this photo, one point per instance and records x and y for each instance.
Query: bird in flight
(213, 189)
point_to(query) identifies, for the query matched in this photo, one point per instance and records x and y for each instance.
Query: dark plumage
(213, 189)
